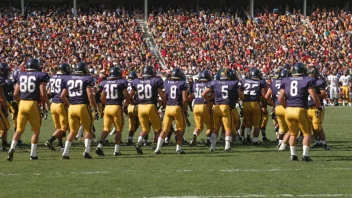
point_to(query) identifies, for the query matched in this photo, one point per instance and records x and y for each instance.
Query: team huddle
(296, 95)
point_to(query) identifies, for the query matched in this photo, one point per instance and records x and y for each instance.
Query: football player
(176, 91)
(132, 111)
(317, 120)
(147, 90)
(58, 108)
(81, 102)
(251, 91)
(273, 93)
(30, 89)
(225, 91)
(202, 110)
(346, 83)
(265, 114)
(233, 102)
(113, 94)
(334, 90)
(4, 123)
(293, 95)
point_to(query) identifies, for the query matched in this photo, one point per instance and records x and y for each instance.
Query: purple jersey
(173, 92)
(198, 89)
(224, 91)
(275, 89)
(296, 90)
(77, 88)
(114, 91)
(55, 87)
(252, 89)
(147, 89)
(320, 84)
(2, 82)
(29, 83)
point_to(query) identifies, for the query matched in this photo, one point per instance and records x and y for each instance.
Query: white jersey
(333, 81)
(345, 80)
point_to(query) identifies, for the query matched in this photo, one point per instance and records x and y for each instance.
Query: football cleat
(129, 143)
(87, 156)
(306, 159)
(193, 141)
(10, 155)
(3, 149)
(265, 139)
(255, 143)
(62, 148)
(326, 148)
(248, 139)
(100, 152)
(317, 145)
(158, 152)
(139, 149)
(228, 150)
(50, 145)
(212, 150)
(65, 157)
(207, 143)
(294, 158)
(117, 153)
(33, 157)
(180, 152)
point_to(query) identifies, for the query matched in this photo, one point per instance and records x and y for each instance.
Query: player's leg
(228, 123)
(118, 120)
(59, 116)
(132, 123)
(74, 124)
(167, 122)
(306, 127)
(180, 120)
(4, 128)
(35, 120)
(217, 119)
(199, 121)
(247, 117)
(143, 116)
(257, 118)
(316, 123)
(263, 124)
(108, 120)
(291, 118)
(86, 120)
(155, 121)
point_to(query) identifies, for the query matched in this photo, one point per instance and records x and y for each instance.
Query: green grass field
(247, 171)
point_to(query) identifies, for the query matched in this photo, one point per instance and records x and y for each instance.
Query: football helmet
(81, 68)
(205, 76)
(299, 69)
(148, 72)
(33, 65)
(65, 68)
(4, 70)
(226, 74)
(132, 75)
(115, 72)
(176, 74)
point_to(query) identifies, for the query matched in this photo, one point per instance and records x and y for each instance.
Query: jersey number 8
(27, 84)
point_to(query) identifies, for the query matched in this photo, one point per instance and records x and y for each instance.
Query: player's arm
(127, 98)
(184, 100)
(315, 97)
(63, 97)
(205, 95)
(16, 92)
(281, 98)
(323, 94)
(103, 97)
(268, 94)
(91, 97)
(162, 96)
(44, 94)
(3, 100)
(241, 94)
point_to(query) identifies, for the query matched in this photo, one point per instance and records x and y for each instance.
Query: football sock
(159, 144)
(255, 139)
(293, 150)
(317, 141)
(100, 145)
(13, 144)
(61, 144)
(140, 140)
(67, 148)
(228, 140)
(324, 142)
(264, 132)
(117, 148)
(213, 141)
(52, 139)
(280, 141)
(87, 145)
(33, 150)
(130, 138)
(178, 147)
(305, 150)
(248, 131)
(80, 132)
(283, 147)
(4, 143)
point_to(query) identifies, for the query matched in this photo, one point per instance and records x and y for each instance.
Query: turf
(247, 171)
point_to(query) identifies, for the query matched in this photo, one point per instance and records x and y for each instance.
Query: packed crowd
(102, 37)
(214, 38)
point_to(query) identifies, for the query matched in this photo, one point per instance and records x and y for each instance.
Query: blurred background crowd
(210, 37)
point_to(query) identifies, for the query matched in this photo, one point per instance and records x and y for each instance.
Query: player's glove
(318, 112)
(96, 115)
